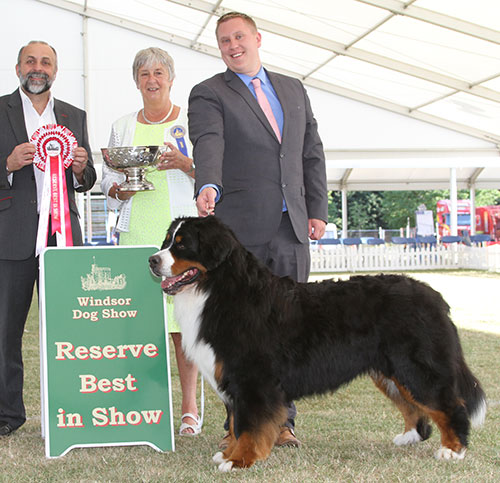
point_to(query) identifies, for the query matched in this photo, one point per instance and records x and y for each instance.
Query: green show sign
(104, 350)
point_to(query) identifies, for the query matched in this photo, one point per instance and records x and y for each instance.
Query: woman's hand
(120, 195)
(172, 158)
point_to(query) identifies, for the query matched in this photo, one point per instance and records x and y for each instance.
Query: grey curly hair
(150, 56)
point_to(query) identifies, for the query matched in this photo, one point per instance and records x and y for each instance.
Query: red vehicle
(487, 218)
(488, 221)
(443, 211)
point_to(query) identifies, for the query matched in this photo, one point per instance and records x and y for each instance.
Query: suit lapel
(16, 117)
(62, 116)
(235, 83)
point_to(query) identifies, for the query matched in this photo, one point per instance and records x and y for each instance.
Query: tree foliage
(398, 206)
(364, 209)
(487, 197)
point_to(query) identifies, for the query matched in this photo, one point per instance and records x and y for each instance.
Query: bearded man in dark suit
(21, 114)
(263, 174)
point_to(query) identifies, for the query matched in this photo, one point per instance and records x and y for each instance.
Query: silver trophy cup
(134, 161)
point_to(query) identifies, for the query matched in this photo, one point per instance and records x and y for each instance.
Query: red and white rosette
(54, 153)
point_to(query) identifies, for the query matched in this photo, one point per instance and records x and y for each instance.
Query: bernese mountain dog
(262, 341)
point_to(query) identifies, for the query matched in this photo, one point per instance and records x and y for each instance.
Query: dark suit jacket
(18, 203)
(235, 147)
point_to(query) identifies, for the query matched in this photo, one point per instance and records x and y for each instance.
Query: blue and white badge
(178, 132)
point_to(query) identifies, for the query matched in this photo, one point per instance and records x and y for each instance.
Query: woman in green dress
(144, 216)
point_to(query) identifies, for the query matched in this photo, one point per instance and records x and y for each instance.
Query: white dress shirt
(33, 122)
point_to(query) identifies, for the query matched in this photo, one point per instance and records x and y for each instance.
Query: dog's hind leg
(417, 427)
(454, 427)
(450, 415)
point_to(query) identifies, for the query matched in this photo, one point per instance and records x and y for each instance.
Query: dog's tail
(471, 391)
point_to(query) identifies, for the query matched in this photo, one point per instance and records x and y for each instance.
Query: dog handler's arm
(206, 131)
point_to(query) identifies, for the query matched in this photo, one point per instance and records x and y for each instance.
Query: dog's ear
(216, 242)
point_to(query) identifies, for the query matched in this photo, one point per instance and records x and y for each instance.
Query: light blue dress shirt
(269, 91)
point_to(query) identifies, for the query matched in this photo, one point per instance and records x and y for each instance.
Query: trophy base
(144, 186)
(135, 181)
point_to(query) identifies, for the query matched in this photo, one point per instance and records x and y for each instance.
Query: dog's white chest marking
(188, 308)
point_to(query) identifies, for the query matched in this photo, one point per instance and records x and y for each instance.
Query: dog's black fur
(275, 340)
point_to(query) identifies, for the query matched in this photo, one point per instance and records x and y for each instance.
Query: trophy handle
(161, 150)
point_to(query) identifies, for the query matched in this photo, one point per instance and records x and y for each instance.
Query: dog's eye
(178, 242)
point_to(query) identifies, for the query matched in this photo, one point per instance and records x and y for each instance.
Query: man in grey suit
(21, 113)
(265, 171)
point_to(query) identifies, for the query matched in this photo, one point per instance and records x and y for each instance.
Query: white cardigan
(181, 186)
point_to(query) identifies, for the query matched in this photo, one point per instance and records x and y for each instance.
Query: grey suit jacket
(18, 203)
(234, 147)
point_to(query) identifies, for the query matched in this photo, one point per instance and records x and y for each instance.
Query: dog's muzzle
(172, 284)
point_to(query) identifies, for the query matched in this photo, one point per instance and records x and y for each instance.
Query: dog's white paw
(410, 437)
(444, 453)
(218, 458)
(226, 467)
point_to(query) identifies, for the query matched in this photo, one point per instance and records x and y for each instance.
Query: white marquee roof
(436, 61)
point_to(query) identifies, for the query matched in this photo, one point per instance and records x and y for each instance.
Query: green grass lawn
(346, 437)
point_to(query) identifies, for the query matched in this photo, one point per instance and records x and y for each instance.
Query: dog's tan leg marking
(448, 437)
(232, 440)
(222, 456)
(252, 446)
(451, 448)
(410, 412)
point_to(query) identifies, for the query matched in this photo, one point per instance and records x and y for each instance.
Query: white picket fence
(364, 258)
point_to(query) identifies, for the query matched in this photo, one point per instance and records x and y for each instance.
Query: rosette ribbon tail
(61, 221)
(43, 218)
(54, 202)
(66, 214)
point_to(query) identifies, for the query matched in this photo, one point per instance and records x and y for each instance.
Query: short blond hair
(230, 15)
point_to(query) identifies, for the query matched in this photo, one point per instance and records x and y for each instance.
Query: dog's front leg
(253, 442)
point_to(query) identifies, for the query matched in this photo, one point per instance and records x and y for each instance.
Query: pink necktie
(266, 107)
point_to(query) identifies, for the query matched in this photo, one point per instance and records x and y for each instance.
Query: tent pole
(344, 212)
(473, 209)
(453, 202)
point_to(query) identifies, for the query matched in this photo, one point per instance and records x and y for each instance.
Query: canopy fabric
(404, 90)
(434, 60)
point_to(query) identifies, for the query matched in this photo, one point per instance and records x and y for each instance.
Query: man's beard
(38, 86)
